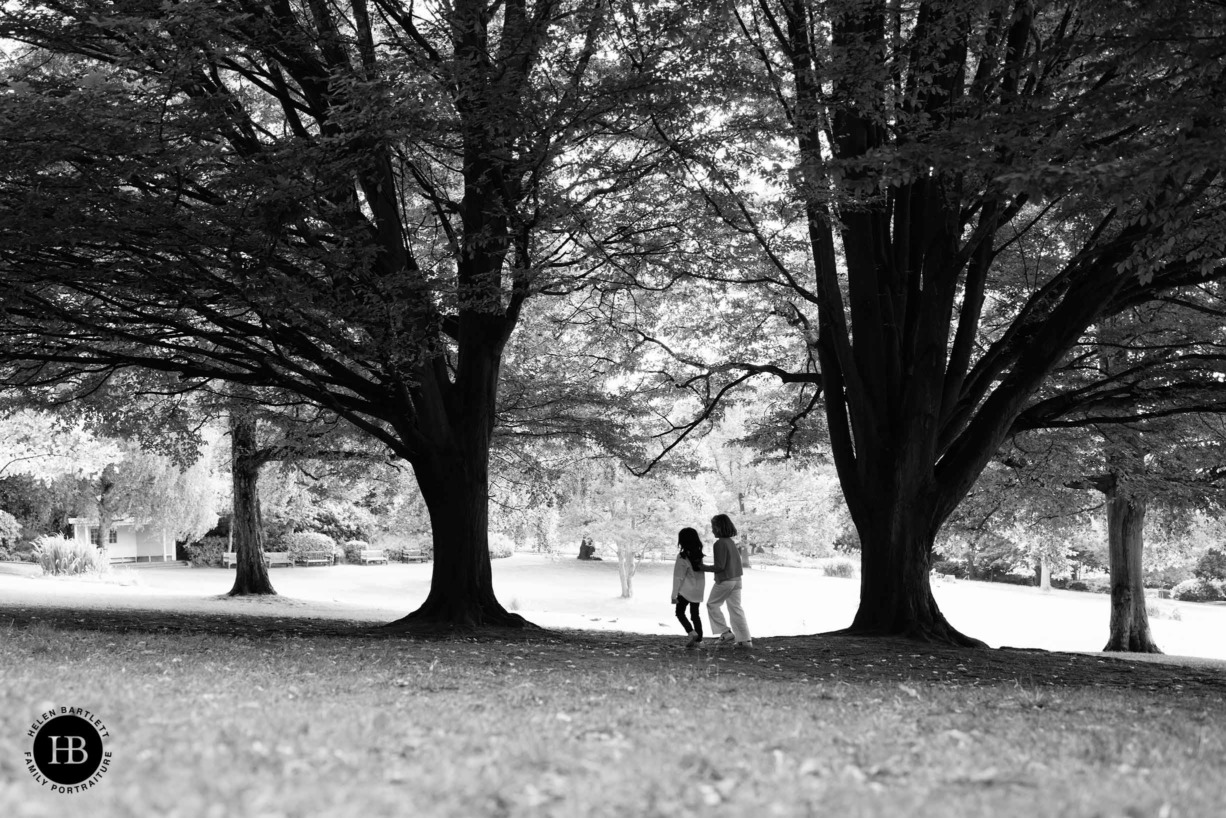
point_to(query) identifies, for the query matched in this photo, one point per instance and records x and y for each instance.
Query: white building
(127, 542)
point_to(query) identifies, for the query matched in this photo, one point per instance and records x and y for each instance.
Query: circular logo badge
(68, 752)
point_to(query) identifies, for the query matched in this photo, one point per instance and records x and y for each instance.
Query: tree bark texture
(247, 522)
(461, 587)
(106, 516)
(452, 470)
(895, 591)
(626, 566)
(1125, 540)
(915, 405)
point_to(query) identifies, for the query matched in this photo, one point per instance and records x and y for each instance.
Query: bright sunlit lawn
(259, 708)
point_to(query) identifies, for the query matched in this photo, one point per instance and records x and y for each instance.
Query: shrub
(1166, 577)
(1197, 590)
(276, 538)
(10, 529)
(352, 549)
(58, 555)
(843, 569)
(207, 552)
(18, 552)
(950, 568)
(301, 542)
(1095, 585)
(1014, 579)
(501, 546)
(1211, 565)
(848, 541)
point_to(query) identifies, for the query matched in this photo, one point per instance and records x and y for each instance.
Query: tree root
(443, 620)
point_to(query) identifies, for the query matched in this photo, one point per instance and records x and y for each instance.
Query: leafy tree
(1211, 565)
(41, 508)
(347, 203)
(1130, 406)
(928, 143)
(46, 447)
(153, 491)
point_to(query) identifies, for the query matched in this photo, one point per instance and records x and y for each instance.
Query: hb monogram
(75, 745)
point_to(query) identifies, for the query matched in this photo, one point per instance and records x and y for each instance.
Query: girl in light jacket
(689, 583)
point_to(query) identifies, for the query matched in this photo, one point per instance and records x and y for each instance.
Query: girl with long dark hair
(689, 583)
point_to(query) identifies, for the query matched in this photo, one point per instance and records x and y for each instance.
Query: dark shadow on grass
(813, 660)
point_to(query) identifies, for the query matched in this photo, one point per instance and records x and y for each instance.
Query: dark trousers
(685, 623)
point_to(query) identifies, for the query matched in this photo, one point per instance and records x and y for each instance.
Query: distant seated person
(587, 548)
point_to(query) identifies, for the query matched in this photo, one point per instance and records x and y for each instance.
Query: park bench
(413, 553)
(230, 559)
(315, 558)
(369, 555)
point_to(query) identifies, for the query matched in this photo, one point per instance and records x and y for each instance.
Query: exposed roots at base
(935, 634)
(250, 592)
(435, 622)
(1147, 647)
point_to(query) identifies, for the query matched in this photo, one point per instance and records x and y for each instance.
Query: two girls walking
(689, 581)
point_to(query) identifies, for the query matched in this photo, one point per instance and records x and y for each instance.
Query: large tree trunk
(461, 586)
(1125, 540)
(247, 522)
(453, 476)
(895, 591)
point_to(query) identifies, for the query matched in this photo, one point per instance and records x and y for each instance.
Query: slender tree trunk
(247, 523)
(626, 566)
(106, 516)
(1125, 541)
(1044, 573)
(106, 521)
(1125, 451)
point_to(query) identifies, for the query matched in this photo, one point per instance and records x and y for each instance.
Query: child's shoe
(694, 640)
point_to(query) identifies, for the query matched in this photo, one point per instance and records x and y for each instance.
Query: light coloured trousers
(728, 591)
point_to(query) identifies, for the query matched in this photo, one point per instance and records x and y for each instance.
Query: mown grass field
(296, 722)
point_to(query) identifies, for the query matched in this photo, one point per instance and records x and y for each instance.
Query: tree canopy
(915, 212)
(349, 202)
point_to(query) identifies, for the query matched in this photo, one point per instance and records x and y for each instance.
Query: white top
(687, 582)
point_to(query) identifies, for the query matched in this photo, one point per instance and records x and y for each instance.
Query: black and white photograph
(566, 408)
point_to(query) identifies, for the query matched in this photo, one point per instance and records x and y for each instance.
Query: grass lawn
(567, 593)
(279, 710)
